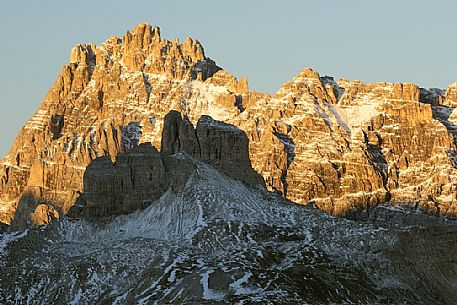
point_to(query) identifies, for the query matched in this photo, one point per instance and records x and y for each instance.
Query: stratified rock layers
(345, 145)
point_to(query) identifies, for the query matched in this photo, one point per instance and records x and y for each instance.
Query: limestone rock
(344, 145)
(179, 135)
(135, 180)
(451, 95)
(142, 175)
(43, 214)
(83, 54)
(221, 145)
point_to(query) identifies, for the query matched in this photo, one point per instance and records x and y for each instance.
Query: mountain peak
(83, 54)
(143, 50)
(308, 73)
(343, 145)
(143, 35)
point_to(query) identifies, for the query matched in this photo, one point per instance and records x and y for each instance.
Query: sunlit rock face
(343, 145)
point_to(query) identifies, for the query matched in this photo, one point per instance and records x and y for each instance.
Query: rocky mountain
(179, 185)
(344, 146)
(210, 239)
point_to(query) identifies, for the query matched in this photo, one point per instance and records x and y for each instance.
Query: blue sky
(268, 41)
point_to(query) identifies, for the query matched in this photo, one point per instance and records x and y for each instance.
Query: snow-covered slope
(218, 241)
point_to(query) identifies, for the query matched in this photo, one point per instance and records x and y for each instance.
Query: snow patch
(76, 298)
(155, 286)
(238, 285)
(10, 237)
(153, 121)
(207, 103)
(340, 117)
(209, 294)
(361, 114)
(351, 117)
(131, 135)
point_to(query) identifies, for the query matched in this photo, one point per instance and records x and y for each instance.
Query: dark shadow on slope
(221, 145)
(142, 175)
(3, 227)
(204, 69)
(239, 103)
(329, 81)
(132, 182)
(289, 149)
(57, 124)
(289, 146)
(442, 114)
(34, 210)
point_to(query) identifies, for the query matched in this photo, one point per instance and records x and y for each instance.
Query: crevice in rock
(289, 146)
(57, 124)
(100, 96)
(147, 85)
(436, 204)
(377, 158)
(239, 103)
(284, 182)
(6, 177)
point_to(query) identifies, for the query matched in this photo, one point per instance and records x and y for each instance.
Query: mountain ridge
(344, 145)
(150, 175)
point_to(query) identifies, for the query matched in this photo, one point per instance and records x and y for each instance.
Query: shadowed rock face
(132, 182)
(142, 175)
(33, 210)
(344, 145)
(179, 135)
(219, 144)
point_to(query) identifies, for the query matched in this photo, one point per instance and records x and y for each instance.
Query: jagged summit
(142, 49)
(179, 185)
(308, 73)
(345, 145)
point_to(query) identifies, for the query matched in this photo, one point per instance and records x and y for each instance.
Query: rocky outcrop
(226, 148)
(179, 135)
(142, 175)
(221, 145)
(132, 182)
(451, 95)
(33, 210)
(377, 144)
(344, 145)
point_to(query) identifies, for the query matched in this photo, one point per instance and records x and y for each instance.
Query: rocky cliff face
(344, 145)
(142, 175)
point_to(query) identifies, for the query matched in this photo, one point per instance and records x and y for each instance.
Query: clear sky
(268, 41)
